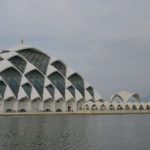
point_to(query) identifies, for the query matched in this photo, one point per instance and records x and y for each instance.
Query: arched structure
(124, 96)
(32, 81)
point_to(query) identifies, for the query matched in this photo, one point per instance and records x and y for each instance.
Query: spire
(21, 43)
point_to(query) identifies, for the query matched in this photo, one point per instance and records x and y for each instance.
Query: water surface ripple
(106, 132)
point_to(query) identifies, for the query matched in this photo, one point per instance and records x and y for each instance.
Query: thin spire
(22, 42)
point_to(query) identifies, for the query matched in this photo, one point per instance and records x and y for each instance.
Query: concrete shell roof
(125, 96)
(5, 63)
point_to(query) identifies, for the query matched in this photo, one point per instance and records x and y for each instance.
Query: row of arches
(13, 78)
(37, 105)
(112, 107)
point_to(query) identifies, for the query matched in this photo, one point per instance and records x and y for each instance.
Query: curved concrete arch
(101, 100)
(34, 69)
(94, 107)
(127, 107)
(29, 48)
(10, 105)
(36, 105)
(48, 105)
(147, 106)
(125, 96)
(60, 66)
(88, 105)
(119, 107)
(79, 104)
(60, 104)
(141, 107)
(23, 104)
(103, 107)
(134, 107)
(116, 96)
(111, 107)
(71, 105)
(17, 55)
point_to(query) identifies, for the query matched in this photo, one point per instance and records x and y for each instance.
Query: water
(108, 132)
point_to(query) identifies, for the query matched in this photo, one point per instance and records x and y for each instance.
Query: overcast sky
(106, 41)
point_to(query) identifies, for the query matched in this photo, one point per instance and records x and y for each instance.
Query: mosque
(31, 81)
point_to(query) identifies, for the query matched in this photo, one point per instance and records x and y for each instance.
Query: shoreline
(73, 113)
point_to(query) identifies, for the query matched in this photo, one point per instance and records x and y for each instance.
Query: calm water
(75, 133)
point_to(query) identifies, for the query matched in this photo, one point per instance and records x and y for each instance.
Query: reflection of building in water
(32, 81)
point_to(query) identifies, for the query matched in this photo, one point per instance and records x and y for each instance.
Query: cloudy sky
(106, 41)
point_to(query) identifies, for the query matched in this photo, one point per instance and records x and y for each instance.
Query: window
(18, 62)
(38, 59)
(50, 89)
(2, 88)
(58, 81)
(13, 78)
(78, 82)
(71, 90)
(37, 80)
(60, 66)
(27, 88)
(91, 91)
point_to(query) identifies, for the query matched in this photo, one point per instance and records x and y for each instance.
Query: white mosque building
(31, 81)
(119, 102)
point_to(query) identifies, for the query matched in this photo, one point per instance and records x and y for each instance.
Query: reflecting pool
(81, 132)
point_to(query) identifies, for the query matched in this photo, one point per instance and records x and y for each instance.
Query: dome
(124, 96)
(30, 80)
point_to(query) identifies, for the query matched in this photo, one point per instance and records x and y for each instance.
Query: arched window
(50, 89)
(127, 107)
(13, 78)
(134, 107)
(119, 107)
(60, 66)
(91, 91)
(27, 88)
(103, 107)
(147, 107)
(111, 107)
(141, 107)
(18, 62)
(78, 82)
(2, 88)
(37, 80)
(38, 59)
(94, 107)
(58, 81)
(71, 90)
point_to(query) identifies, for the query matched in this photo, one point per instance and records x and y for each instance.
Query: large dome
(30, 80)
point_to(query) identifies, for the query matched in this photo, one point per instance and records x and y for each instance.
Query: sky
(106, 41)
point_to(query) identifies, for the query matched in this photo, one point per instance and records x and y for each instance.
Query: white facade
(123, 105)
(31, 81)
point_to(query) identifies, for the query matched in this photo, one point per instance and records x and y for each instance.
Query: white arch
(48, 105)
(36, 105)
(80, 104)
(23, 104)
(71, 105)
(9, 105)
(60, 105)
(125, 96)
